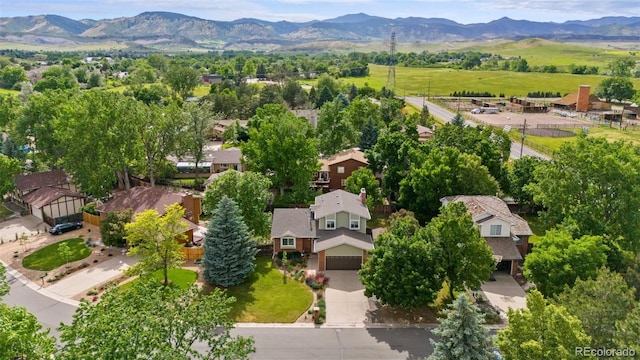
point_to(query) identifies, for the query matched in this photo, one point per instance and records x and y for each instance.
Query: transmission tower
(391, 76)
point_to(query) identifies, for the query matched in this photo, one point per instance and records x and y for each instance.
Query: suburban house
(507, 234)
(424, 133)
(225, 159)
(49, 196)
(582, 101)
(335, 170)
(141, 198)
(221, 125)
(334, 229)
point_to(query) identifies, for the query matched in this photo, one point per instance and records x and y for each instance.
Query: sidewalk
(83, 280)
(505, 293)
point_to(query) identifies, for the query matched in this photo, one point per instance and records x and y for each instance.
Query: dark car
(64, 227)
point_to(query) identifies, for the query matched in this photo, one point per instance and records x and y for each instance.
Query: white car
(476, 111)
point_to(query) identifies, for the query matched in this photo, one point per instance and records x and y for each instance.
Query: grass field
(419, 81)
(48, 258)
(268, 296)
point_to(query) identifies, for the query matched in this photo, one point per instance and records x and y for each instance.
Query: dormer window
(354, 222)
(330, 222)
(495, 230)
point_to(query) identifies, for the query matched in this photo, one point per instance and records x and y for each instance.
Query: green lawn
(48, 258)
(182, 278)
(267, 296)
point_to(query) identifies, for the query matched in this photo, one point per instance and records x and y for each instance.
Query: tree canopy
(155, 238)
(557, 260)
(9, 168)
(151, 321)
(250, 191)
(576, 191)
(541, 331)
(461, 254)
(363, 178)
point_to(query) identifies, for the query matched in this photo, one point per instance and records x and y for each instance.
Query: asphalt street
(446, 115)
(279, 341)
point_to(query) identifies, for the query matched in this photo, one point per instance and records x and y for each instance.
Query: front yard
(48, 258)
(268, 296)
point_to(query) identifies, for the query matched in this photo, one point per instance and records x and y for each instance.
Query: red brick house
(333, 228)
(507, 234)
(335, 170)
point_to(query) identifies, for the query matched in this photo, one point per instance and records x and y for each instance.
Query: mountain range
(152, 28)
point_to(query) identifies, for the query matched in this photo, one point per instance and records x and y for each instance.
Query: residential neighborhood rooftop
(141, 198)
(339, 200)
(481, 207)
(331, 238)
(292, 222)
(41, 179)
(46, 195)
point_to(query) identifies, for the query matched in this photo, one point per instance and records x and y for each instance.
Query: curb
(23, 279)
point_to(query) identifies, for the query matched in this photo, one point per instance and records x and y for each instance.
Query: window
(495, 230)
(354, 222)
(330, 222)
(343, 182)
(287, 243)
(340, 169)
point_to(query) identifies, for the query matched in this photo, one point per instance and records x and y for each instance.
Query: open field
(62, 47)
(434, 82)
(545, 52)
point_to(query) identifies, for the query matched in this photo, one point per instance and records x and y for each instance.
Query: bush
(317, 282)
(93, 291)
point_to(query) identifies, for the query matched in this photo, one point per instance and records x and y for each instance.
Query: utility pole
(391, 76)
(524, 130)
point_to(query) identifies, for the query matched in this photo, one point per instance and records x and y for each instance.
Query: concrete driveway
(504, 293)
(346, 303)
(28, 225)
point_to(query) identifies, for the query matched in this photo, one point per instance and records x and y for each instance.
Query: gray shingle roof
(292, 222)
(337, 201)
(227, 156)
(505, 247)
(331, 238)
(481, 206)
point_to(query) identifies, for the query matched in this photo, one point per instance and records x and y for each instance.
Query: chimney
(363, 196)
(582, 103)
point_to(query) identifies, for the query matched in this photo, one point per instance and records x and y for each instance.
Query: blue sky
(462, 11)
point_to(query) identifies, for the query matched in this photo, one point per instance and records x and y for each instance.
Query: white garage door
(37, 212)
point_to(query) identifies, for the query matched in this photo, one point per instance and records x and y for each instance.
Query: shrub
(317, 282)
(93, 291)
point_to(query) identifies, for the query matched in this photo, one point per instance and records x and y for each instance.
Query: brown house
(581, 101)
(333, 229)
(335, 170)
(49, 196)
(507, 234)
(141, 198)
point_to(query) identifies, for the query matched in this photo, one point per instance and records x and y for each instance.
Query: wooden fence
(91, 219)
(192, 253)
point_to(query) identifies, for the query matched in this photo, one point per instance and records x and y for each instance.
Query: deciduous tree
(154, 322)
(444, 172)
(283, 145)
(112, 227)
(541, 332)
(363, 178)
(461, 335)
(9, 168)
(558, 260)
(618, 88)
(461, 254)
(182, 80)
(599, 303)
(250, 191)
(229, 250)
(155, 238)
(401, 270)
(521, 177)
(575, 190)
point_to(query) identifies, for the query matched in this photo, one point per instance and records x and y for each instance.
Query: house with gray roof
(334, 228)
(507, 234)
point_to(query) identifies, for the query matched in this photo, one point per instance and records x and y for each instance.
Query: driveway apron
(346, 303)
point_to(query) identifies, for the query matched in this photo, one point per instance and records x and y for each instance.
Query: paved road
(280, 342)
(446, 115)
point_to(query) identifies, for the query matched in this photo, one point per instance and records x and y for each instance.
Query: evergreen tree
(229, 250)
(458, 120)
(369, 136)
(461, 334)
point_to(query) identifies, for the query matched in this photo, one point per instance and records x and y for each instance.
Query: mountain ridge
(358, 27)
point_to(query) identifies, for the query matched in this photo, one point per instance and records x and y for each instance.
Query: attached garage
(343, 257)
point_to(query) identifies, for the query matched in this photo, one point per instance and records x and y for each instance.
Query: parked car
(64, 227)
(476, 111)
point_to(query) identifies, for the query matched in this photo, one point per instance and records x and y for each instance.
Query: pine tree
(461, 334)
(458, 120)
(229, 250)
